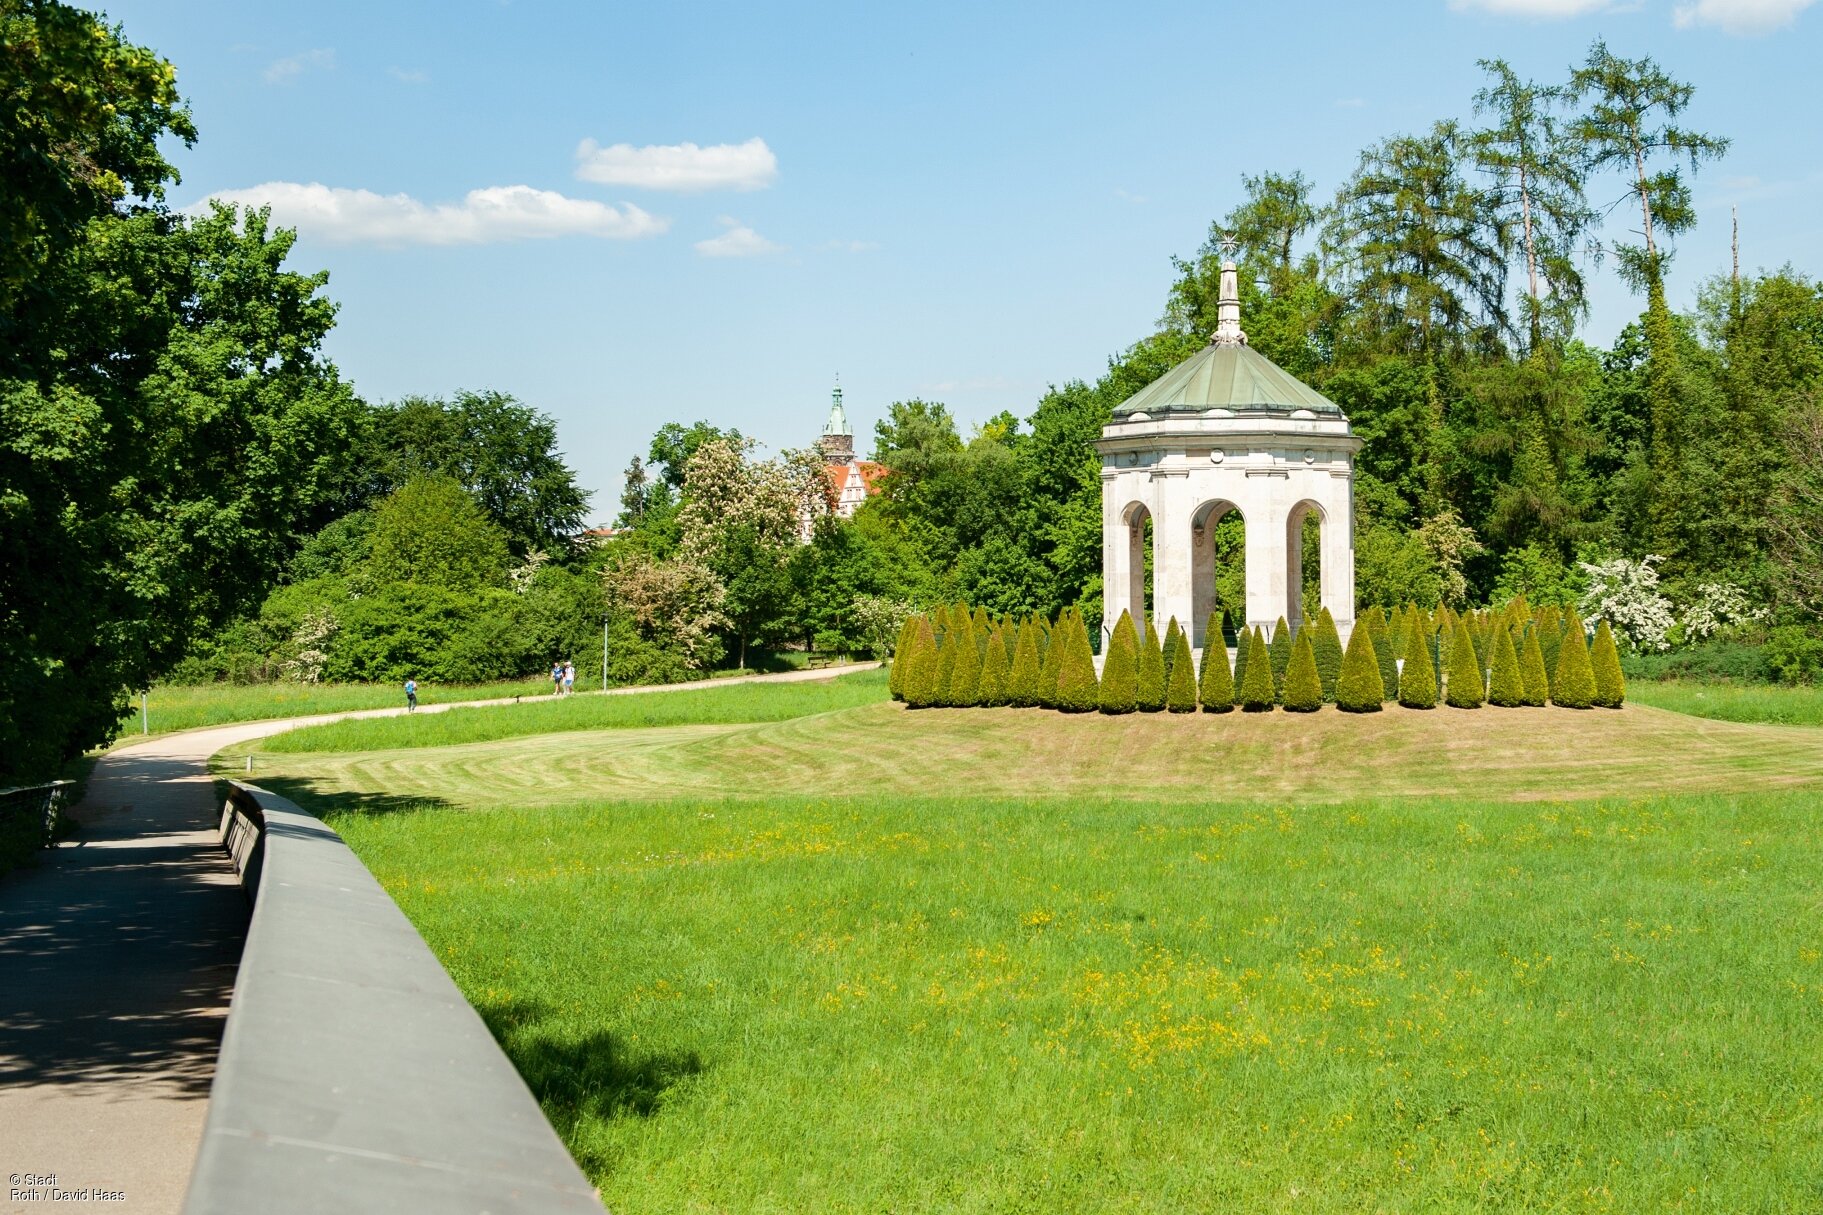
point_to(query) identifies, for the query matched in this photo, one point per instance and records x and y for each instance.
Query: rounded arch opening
(1137, 518)
(1218, 552)
(1306, 573)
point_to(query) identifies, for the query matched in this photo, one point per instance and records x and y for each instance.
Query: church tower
(838, 441)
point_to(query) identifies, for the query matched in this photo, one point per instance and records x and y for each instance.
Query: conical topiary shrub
(1256, 695)
(920, 682)
(1280, 650)
(1574, 687)
(1506, 686)
(1180, 692)
(1359, 689)
(1550, 644)
(1386, 655)
(895, 679)
(1049, 667)
(1243, 650)
(1169, 646)
(1120, 669)
(1327, 645)
(1418, 678)
(1151, 673)
(1462, 688)
(1303, 685)
(1215, 683)
(965, 674)
(1481, 633)
(948, 647)
(1077, 690)
(1532, 675)
(1604, 656)
(1022, 681)
(995, 671)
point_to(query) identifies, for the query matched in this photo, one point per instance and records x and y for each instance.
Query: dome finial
(1228, 304)
(838, 417)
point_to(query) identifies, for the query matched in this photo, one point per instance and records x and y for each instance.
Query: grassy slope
(1327, 756)
(834, 991)
(740, 703)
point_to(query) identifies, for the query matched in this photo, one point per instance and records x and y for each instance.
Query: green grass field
(187, 706)
(1780, 703)
(869, 960)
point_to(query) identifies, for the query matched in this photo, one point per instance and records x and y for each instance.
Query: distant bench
(819, 659)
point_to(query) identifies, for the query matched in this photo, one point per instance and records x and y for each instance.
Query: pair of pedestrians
(563, 678)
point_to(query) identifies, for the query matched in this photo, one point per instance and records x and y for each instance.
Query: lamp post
(604, 653)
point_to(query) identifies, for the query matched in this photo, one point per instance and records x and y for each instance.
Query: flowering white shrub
(1716, 606)
(1625, 594)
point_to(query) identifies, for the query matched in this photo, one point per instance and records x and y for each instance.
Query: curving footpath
(118, 956)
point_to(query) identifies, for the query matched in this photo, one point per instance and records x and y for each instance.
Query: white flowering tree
(1716, 606)
(1625, 594)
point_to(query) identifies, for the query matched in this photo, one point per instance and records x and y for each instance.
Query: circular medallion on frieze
(1310, 457)
(1217, 456)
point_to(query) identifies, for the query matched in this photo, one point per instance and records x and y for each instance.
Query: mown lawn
(948, 973)
(187, 706)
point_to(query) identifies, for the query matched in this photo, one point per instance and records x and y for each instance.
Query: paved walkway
(117, 961)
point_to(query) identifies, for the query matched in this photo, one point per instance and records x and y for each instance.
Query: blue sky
(964, 202)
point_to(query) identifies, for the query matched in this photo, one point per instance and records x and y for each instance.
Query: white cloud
(1742, 18)
(852, 246)
(487, 216)
(1351, 103)
(680, 166)
(411, 76)
(281, 71)
(738, 241)
(1129, 196)
(1548, 10)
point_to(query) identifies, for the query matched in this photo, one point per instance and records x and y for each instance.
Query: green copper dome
(1234, 377)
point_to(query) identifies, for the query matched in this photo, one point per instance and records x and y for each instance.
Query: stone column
(1339, 552)
(1266, 526)
(1115, 550)
(1172, 556)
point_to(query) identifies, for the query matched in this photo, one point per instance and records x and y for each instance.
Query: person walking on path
(556, 678)
(569, 678)
(411, 695)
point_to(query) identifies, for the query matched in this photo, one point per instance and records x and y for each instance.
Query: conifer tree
(1215, 683)
(1279, 648)
(1574, 687)
(1169, 646)
(1151, 689)
(1051, 665)
(1359, 689)
(921, 667)
(1550, 643)
(1180, 693)
(1418, 678)
(1022, 682)
(1243, 650)
(1604, 657)
(1326, 642)
(1506, 687)
(1462, 688)
(895, 680)
(1256, 694)
(965, 674)
(1303, 684)
(948, 647)
(1009, 637)
(994, 671)
(1532, 670)
(1077, 690)
(981, 624)
(1120, 669)
(1386, 653)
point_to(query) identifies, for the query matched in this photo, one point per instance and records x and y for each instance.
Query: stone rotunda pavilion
(1226, 430)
